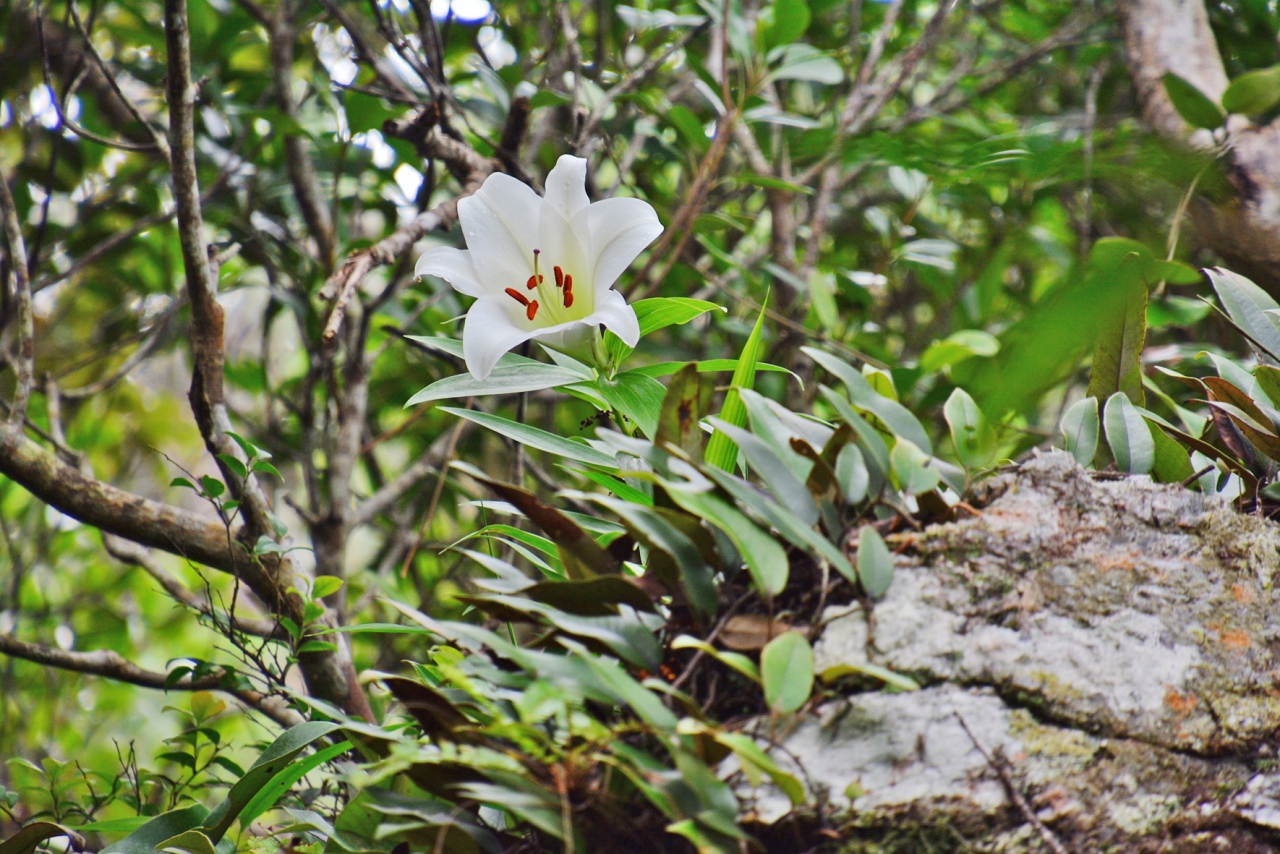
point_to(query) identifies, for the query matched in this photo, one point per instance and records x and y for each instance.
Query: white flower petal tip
(542, 266)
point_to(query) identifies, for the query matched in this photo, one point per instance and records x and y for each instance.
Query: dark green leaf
(1196, 108)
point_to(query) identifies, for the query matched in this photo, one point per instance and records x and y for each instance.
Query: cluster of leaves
(1231, 448)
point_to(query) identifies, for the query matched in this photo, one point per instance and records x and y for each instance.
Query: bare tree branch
(112, 665)
(135, 555)
(298, 163)
(25, 366)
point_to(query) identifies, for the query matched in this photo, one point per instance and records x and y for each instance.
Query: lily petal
(452, 265)
(617, 316)
(501, 218)
(567, 186)
(620, 229)
(489, 332)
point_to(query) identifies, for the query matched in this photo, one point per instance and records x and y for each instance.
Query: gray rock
(1113, 640)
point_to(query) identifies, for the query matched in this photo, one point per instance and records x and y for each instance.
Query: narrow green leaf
(721, 451)
(279, 754)
(786, 669)
(896, 417)
(884, 674)
(1127, 434)
(511, 379)
(188, 842)
(787, 489)
(765, 559)
(533, 437)
(734, 660)
(1117, 354)
(283, 781)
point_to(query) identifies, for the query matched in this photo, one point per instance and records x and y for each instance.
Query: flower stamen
(559, 277)
(568, 290)
(532, 310)
(517, 296)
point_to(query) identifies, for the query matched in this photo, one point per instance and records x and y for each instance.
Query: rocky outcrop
(1112, 647)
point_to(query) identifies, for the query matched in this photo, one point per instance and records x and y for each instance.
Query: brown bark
(1174, 35)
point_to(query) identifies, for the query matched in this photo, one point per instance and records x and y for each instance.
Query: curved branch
(112, 665)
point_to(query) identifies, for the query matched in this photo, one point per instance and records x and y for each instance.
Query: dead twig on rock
(1001, 766)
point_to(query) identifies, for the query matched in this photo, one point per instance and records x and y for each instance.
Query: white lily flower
(542, 267)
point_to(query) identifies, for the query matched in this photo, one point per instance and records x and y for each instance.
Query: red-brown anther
(531, 310)
(532, 283)
(559, 276)
(517, 296)
(568, 283)
(568, 299)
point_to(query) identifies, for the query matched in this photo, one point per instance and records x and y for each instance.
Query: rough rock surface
(1112, 643)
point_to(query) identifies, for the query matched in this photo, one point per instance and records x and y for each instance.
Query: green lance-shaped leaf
(1080, 428)
(26, 840)
(875, 564)
(509, 379)
(973, 437)
(583, 558)
(650, 527)
(1253, 92)
(1196, 108)
(1117, 354)
(788, 524)
(1127, 434)
(735, 660)
(748, 751)
(532, 437)
(721, 451)
(786, 669)
(680, 413)
(1248, 305)
(896, 417)
(765, 559)
(281, 752)
(786, 488)
(871, 443)
(165, 826)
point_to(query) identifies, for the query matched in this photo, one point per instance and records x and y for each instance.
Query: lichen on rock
(1112, 640)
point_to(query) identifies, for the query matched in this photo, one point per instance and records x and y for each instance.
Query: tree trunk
(1174, 35)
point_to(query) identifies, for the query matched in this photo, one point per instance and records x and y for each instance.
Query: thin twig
(999, 765)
